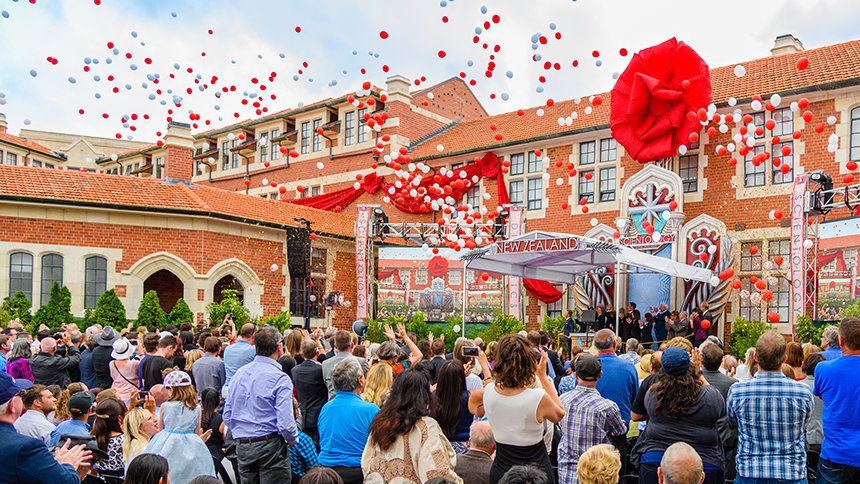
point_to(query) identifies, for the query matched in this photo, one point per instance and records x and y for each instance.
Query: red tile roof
(779, 74)
(28, 145)
(132, 193)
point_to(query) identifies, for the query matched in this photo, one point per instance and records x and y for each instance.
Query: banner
(798, 251)
(362, 258)
(515, 228)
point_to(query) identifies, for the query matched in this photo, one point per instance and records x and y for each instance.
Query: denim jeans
(831, 472)
(750, 480)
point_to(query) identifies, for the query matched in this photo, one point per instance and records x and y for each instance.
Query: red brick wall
(178, 162)
(452, 99)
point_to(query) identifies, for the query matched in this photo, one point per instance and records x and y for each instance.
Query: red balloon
(773, 317)
(736, 284)
(706, 324)
(760, 284)
(802, 63)
(778, 260)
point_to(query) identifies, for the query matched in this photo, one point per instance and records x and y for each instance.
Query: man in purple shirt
(259, 412)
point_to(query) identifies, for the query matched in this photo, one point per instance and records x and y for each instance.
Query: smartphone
(470, 351)
(142, 396)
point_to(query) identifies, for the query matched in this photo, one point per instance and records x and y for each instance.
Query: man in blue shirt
(344, 423)
(837, 383)
(26, 460)
(5, 346)
(830, 343)
(238, 354)
(619, 383)
(81, 407)
(258, 410)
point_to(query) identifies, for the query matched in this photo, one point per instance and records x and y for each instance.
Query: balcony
(331, 129)
(246, 149)
(199, 154)
(288, 139)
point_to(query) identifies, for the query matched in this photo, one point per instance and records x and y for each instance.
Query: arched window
(21, 274)
(95, 280)
(854, 154)
(52, 270)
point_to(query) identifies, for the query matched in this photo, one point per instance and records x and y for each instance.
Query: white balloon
(808, 244)
(273, 267)
(559, 181)
(439, 147)
(113, 157)
(831, 120)
(712, 249)
(486, 196)
(740, 70)
(656, 236)
(832, 148)
(231, 136)
(794, 107)
(775, 100)
(724, 128)
(666, 215)
(588, 110)
(539, 112)
(456, 328)
(682, 150)
(320, 165)
(593, 222)
(357, 186)
(833, 139)
(715, 281)
(265, 181)
(756, 105)
(732, 101)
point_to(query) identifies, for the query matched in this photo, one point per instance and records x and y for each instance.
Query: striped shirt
(589, 420)
(770, 412)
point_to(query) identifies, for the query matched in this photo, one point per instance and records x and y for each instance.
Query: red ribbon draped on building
(341, 198)
(542, 290)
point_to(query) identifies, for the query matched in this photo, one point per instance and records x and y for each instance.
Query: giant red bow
(652, 97)
(437, 266)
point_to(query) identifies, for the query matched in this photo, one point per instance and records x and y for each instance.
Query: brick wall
(178, 162)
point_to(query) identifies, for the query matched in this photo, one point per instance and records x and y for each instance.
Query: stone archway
(167, 285)
(228, 282)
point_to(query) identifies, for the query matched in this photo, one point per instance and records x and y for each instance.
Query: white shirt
(34, 424)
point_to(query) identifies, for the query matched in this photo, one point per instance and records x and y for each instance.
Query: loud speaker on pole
(299, 252)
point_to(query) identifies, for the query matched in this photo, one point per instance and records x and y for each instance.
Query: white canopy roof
(554, 257)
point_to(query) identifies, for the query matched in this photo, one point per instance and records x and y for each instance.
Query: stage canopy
(560, 258)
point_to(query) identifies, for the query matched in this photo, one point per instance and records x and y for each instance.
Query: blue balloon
(173, 14)
(334, 82)
(176, 66)
(217, 107)
(144, 85)
(598, 62)
(509, 74)
(535, 38)
(443, 3)
(355, 52)
(282, 55)
(376, 55)
(505, 96)
(538, 57)
(152, 97)
(87, 60)
(170, 91)
(252, 95)
(295, 77)
(539, 89)
(98, 96)
(133, 67)
(483, 9)
(95, 61)
(134, 34)
(163, 102)
(344, 71)
(115, 51)
(5, 14)
(108, 61)
(470, 63)
(478, 30)
(128, 87)
(97, 78)
(33, 73)
(72, 80)
(534, 47)
(150, 77)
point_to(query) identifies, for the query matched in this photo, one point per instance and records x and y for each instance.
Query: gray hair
(330, 331)
(388, 350)
(93, 330)
(48, 345)
(309, 349)
(371, 351)
(75, 336)
(345, 375)
(681, 464)
(831, 334)
(603, 339)
(20, 349)
(481, 435)
(633, 345)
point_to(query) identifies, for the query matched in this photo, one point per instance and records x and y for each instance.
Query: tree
(149, 313)
(553, 326)
(58, 310)
(501, 325)
(282, 320)
(230, 304)
(110, 311)
(744, 335)
(181, 313)
(18, 306)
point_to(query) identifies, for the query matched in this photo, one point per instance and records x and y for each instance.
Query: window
(554, 310)
(37, 163)
(128, 169)
(754, 175)
(234, 158)
(158, 164)
(275, 150)
(586, 186)
(318, 260)
(263, 141)
(362, 127)
(299, 290)
(454, 277)
(225, 155)
(781, 302)
(608, 149)
(535, 201)
(776, 152)
(311, 191)
(306, 137)
(850, 257)
(779, 247)
(456, 166)
(747, 310)
(95, 280)
(855, 135)
(516, 191)
(535, 163)
(758, 121)
(473, 197)
(48, 165)
(586, 153)
(317, 136)
(784, 122)
(750, 262)
(349, 128)
(11, 158)
(1, 156)
(21, 274)
(688, 170)
(607, 184)
(52, 270)
(517, 164)
(421, 276)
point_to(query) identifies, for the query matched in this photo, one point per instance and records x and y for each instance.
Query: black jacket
(555, 361)
(54, 370)
(311, 391)
(101, 365)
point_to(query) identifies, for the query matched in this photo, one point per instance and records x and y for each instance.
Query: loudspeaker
(299, 252)
(359, 327)
(588, 317)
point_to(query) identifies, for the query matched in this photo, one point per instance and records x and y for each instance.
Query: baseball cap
(675, 361)
(81, 402)
(10, 386)
(177, 379)
(588, 367)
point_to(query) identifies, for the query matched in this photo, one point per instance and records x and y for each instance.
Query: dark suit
(312, 394)
(660, 330)
(557, 366)
(101, 365)
(27, 460)
(474, 467)
(437, 361)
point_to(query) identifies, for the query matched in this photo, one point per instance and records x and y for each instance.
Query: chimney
(2, 123)
(398, 89)
(786, 44)
(178, 154)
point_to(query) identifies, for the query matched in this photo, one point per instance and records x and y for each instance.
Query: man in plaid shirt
(589, 418)
(770, 412)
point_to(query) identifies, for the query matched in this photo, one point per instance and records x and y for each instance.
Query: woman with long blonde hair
(138, 427)
(379, 381)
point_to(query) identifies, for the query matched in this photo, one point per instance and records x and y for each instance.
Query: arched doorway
(168, 287)
(228, 282)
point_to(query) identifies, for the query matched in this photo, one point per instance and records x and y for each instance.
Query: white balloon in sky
(740, 70)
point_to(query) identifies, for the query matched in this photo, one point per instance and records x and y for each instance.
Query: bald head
(48, 345)
(247, 331)
(604, 340)
(159, 393)
(770, 351)
(481, 437)
(680, 465)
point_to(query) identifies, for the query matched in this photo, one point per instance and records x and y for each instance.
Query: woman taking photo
(517, 411)
(405, 445)
(450, 405)
(680, 409)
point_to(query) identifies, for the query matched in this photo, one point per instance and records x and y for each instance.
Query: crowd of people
(254, 405)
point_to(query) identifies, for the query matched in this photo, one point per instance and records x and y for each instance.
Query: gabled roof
(29, 145)
(830, 67)
(46, 186)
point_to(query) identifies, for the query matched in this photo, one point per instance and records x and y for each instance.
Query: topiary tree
(744, 336)
(418, 325)
(181, 313)
(282, 320)
(807, 331)
(230, 304)
(553, 326)
(58, 310)
(18, 306)
(501, 325)
(149, 313)
(110, 311)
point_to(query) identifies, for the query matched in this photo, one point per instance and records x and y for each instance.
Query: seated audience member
(769, 404)
(599, 465)
(405, 445)
(474, 466)
(344, 422)
(680, 465)
(589, 419)
(38, 402)
(525, 475)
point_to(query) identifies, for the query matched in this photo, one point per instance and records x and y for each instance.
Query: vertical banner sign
(515, 228)
(798, 251)
(362, 227)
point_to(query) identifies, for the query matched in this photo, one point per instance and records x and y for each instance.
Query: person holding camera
(49, 368)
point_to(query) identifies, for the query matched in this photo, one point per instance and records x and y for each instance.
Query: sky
(251, 39)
